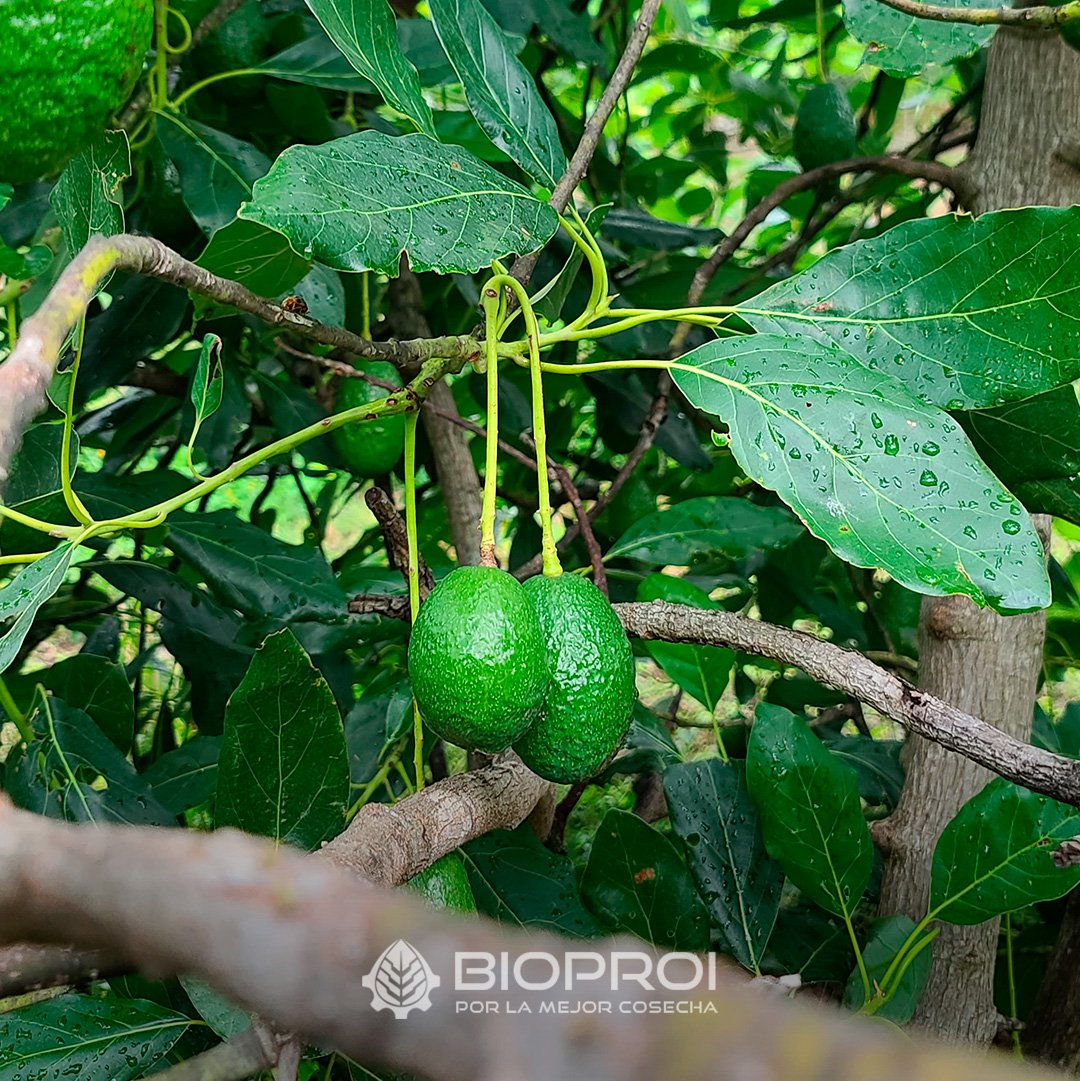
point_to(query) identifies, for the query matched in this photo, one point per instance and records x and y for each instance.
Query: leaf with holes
(966, 312)
(995, 855)
(811, 816)
(88, 197)
(366, 34)
(357, 203)
(884, 479)
(500, 91)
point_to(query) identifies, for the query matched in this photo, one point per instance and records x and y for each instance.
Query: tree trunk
(1029, 138)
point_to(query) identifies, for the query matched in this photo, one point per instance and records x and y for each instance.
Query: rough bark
(986, 664)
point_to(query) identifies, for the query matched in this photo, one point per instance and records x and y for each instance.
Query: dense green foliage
(874, 395)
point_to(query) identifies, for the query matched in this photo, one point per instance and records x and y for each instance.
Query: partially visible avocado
(370, 447)
(241, 41)
(476, 659)
(1070, 31)
(824, 127)
(445, 885)
(590, 698)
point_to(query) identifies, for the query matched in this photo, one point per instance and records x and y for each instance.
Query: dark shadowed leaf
(712, 812)
(636, 881)
(284, 769)
(186, 777)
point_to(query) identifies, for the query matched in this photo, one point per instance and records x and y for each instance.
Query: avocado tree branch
(26, 373)
(848, 671)
(1039, 17)
(292, 937)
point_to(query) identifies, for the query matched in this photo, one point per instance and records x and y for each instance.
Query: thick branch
(848, 671)
(1042, 17)
(292, 937)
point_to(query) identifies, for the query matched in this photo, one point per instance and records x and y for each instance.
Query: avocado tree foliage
(717, 334)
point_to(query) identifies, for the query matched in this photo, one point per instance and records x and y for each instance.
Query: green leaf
(216, 170)
(966, 312)
(883, 479)
(365, 32)
(35, 469)
(21, 598)
(500, 91)
(258, 258)
(88, 198)
(635, 881)
(876, 763)
(711, 811)
(223, 1016)
(887, 935)
(207, 386)
(284, 770)
(93, 1038)
(316, 61)
(701, 671)
(253, 571)
(359, 202)
(1060, 735)
(901, 45)
(74, 772)
(1034, 447)
(703, 527)
(995, 855)
(516, 880)
(93, 684)
(186, 777)
(810, 811)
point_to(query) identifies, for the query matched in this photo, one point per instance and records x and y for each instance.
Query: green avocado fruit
(476, 659)
(824, 127)
(69, 65)
(445, 885)
(242, 41)
(1071, 33)
(590, 698)
(370, 447)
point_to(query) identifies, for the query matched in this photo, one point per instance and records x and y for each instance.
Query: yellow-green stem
(15, 715)
(365, 300)
(1018, 1049)
(74, 504)
(159, 78)
(414, 576)
(209, 81)
(491, 299)
(552, 567)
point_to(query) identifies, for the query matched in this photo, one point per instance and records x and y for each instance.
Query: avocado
(241, 41)
(591, 695)
(476, 659)
(370, 447)
(824, 127)
(68, 68)
(445, 885)
(1070, 32)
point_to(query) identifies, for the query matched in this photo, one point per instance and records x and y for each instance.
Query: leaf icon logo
(400, 980)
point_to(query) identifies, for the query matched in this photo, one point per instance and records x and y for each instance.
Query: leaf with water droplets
(500, 91)
(358, 202)
(905, 492)
(995, 856)
(966, 312)
(92, 1038)
(810, 811)
(712, 812)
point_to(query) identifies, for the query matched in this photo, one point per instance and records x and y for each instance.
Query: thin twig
(592, 545)
(1043, 17)
(396, 538)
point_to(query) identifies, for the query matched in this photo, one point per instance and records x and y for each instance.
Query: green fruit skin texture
(824, 127)
(476, 659)
(590, 699)
(370, 447)
(445, 885)
(68, 66)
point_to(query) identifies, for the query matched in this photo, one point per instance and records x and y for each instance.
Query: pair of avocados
(545, 667)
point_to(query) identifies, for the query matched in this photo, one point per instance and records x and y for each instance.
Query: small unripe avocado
(370, 447)
(445, 885)
(68, 67)
(242, 41)
(590, 698)
(824, 127)
(476, 659)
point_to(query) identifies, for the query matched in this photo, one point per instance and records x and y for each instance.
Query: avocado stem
(413, 571)
(491, 297)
